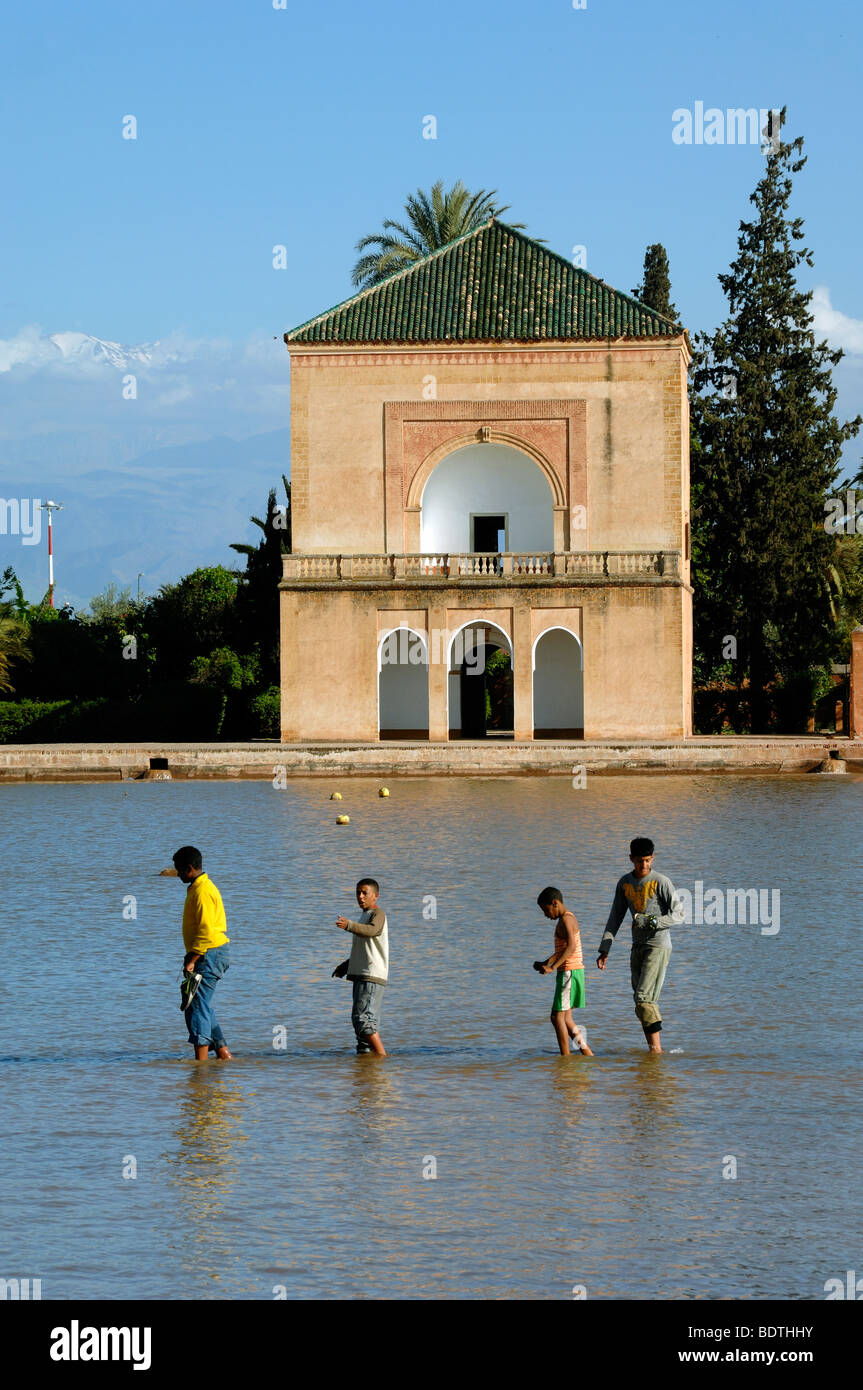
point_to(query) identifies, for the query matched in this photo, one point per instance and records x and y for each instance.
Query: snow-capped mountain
(82, 351)
(85, 347)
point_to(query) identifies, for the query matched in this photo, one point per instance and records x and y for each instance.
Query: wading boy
(205, 938)
(367, 967)
(567, 961)
(655, 907)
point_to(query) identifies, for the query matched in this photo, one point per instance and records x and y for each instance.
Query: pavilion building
(490, 507)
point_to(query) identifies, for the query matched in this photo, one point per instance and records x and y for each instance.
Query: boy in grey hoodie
(655, 907)
(367, 967)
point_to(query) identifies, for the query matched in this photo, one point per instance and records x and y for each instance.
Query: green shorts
(568, 990)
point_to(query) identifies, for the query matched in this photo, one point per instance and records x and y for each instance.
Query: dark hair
(641, 845)
(369, 883)
(549, 896)
(187, 857)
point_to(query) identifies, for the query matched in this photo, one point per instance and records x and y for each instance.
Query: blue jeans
(200, 1018)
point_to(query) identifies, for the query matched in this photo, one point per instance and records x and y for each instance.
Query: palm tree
(433, 223)
(276, 528)
(13, 646)
(258, 595)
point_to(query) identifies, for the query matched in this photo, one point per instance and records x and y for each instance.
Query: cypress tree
(655, 287)
(770, 450)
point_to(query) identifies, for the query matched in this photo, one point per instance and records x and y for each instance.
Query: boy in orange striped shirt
(567, 960)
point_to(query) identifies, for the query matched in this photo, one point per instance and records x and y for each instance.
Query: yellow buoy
(343, 820)
(383, 791)
(336, 796)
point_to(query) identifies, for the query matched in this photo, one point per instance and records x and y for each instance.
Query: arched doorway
(487, 499)
(479, 681)
(403, 685)
(558, 685)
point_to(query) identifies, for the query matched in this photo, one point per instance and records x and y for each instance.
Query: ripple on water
(308, 1167)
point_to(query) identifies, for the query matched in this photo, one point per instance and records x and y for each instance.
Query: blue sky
(303, 126)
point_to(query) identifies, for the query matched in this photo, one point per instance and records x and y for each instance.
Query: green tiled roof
(493, 284)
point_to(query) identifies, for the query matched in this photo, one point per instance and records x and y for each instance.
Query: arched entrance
(479, 681)
(487, 499)
(558, 685)
(403, 685)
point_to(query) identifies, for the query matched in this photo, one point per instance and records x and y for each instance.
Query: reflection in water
(651, 1089)
(374, 1098)
(206, 1164)
(569, 1146)
(572, 1080)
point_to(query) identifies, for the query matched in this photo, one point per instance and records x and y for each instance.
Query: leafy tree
(431, 223)
(111, 605)
(498, 690)
(225, 672)
(191, 618)
(770, 450)
(655, 287)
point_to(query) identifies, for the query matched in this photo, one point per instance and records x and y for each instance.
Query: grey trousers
(366, 1011)
(648, 964)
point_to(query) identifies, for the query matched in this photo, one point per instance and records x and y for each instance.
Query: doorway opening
(403, 687)
(480, 683)
(558, 685)
(488, 533)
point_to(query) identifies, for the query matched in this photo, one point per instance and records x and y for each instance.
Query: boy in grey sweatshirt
(655, 907)
(367, 967)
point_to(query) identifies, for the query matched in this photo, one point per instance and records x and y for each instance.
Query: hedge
(21, 720)
(176, 714)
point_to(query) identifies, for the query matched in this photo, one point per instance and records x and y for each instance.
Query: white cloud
(839, 329)
(29, 348)
(176, 396)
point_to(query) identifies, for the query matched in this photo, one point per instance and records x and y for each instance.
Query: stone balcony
(570, 567)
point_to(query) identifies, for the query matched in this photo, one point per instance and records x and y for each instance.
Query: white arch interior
(558, 684)
(487, 480)
(403, 687)
(465, 647)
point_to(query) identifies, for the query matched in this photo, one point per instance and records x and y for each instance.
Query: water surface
(299, 1168)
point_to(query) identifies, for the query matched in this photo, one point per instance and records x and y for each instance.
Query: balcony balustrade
(572, 567)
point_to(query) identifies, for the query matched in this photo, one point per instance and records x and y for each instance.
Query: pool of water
(300, 1170)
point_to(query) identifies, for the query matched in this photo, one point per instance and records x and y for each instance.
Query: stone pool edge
(82, 762)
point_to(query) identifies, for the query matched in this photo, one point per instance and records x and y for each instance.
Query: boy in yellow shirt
(205, 938)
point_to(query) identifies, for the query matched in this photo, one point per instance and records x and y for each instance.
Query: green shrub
(21, 721)
(266, 710)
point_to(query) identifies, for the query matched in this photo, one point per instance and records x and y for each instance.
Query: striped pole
(51, 507)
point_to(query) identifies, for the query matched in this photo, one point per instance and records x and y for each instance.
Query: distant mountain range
(84, 346)
(162, 514)
(158, 480)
